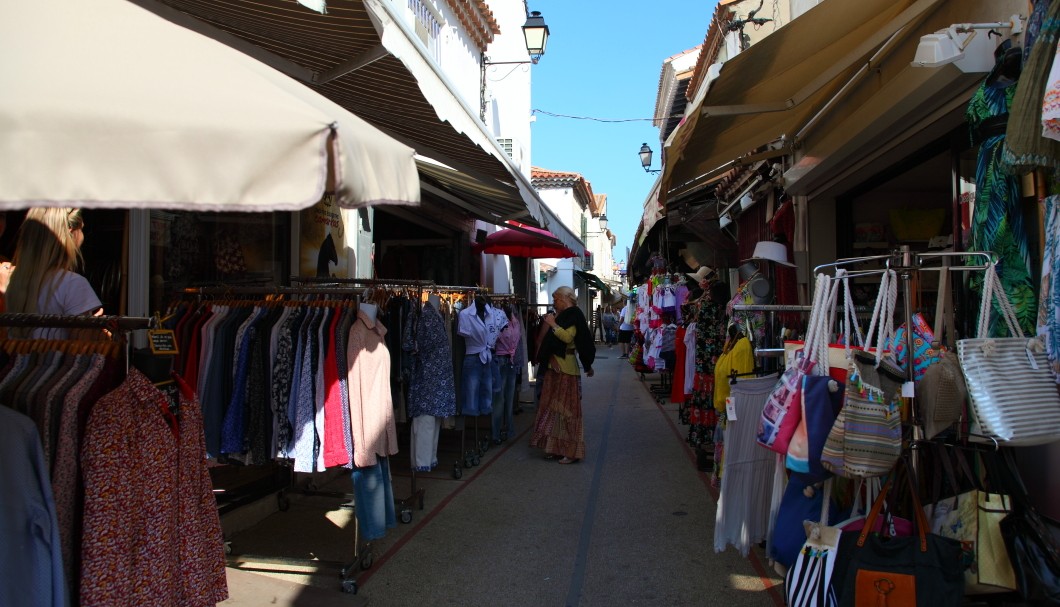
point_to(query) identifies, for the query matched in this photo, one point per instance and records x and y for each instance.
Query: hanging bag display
(782, 411)
(941, 392)
(923, 569)
(1012, 392)
(973, 517)
(821, 399)
(1030, 539)
(866, 438)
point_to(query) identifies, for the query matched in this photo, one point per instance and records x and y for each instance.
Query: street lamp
(535, 33)
(645, 159)
(603, 221)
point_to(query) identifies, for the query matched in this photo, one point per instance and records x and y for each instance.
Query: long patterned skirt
(558, 424)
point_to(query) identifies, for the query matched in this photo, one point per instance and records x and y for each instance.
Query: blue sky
(603, 60)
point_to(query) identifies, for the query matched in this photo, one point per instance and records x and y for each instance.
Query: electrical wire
(555, 115)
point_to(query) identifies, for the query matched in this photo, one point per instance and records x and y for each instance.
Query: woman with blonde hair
(46, 254)
(558, 424)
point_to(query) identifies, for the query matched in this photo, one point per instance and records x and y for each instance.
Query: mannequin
(370, 310)
(435, 300)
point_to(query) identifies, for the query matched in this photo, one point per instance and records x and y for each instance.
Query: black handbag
(922, 569)
(1030, 540)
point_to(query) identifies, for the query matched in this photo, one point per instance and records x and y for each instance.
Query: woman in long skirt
(558, 425)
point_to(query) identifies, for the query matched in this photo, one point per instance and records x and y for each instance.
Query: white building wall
(507, 85)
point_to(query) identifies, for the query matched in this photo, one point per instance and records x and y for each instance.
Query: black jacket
(583, 339)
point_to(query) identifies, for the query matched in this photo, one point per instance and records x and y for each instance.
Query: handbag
(923, 569)
(1012, 392)
(808, 582)
(782, 410)
(941, 392)
(822, 398)
(866, 438)
(974, 519)
(1030, 541)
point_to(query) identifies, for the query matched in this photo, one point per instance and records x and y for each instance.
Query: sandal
(567, 460)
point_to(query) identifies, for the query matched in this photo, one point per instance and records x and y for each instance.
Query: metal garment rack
(906, 264)
(362, 554)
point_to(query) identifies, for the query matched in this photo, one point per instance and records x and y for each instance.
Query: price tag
(163, 341)
(730, 408)
(908, 389)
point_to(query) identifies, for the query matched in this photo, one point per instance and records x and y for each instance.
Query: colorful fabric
(558, 428)
(1049, 306)
(997, 221)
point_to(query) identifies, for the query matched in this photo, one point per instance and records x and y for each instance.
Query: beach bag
(822, 398)
(922, 569)
(808, 582)
(973, 518)
(866, 438)
(1012, 393)
(782, 411)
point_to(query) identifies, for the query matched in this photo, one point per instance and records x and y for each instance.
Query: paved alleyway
(632, 524)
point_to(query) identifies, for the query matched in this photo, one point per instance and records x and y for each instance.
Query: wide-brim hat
(767, 250)
(704, 272)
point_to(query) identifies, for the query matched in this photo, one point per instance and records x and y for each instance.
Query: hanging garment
(997, 221)
(373, 492)
(1024, 148)
(742, 518)
(158, 540)
(371, 406)
(31, 566)
(1049, 305)
(431, 387)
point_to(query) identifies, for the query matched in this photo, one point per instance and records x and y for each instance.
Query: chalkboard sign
(163, 341)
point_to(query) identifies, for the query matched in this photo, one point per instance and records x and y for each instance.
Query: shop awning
(107, 106)
(593, 281)
(362, 57)
(770, 91)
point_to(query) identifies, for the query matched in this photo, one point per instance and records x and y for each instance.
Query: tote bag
(923, 569)
(1011, 389)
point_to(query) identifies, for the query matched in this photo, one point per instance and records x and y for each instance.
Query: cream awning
(768, 92)
(106, 105)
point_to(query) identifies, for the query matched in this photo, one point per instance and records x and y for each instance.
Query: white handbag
(1011, 389)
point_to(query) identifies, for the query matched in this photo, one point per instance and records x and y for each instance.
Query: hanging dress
(997, 221)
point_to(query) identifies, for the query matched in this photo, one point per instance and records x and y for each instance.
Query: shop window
(190, 249)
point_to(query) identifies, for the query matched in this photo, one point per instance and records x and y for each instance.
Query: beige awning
(106, 105)
(768, 92)
(360, 55)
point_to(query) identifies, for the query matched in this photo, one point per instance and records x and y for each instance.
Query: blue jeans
(504, 399)
(374, 495)
(477, 386)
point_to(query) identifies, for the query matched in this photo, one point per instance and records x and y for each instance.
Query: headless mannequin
(370, 310)
(435, 300)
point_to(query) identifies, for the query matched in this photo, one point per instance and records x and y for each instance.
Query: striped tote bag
(808, 582)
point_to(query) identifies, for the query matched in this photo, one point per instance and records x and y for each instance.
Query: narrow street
(630, 524)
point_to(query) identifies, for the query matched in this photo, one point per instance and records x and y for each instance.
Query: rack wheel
(366, 562)
(468, 461)
(406, 516)
(484, 446)
(349, 586)
(228, 548)
(475, 460)
(457, 470)
(283, 502)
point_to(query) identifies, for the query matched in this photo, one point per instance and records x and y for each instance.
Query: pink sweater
(371, 406)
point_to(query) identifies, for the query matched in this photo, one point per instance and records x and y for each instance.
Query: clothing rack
(362, 555)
